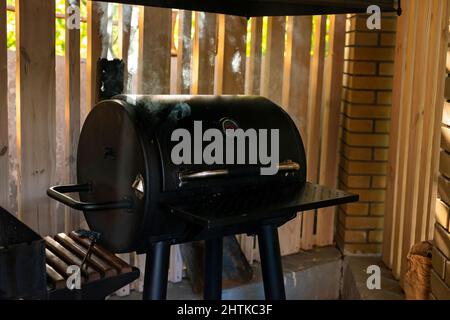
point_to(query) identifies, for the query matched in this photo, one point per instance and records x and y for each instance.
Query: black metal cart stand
(260, 213)
(157, 264)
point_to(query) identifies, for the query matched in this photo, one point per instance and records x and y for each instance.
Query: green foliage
(60, 36)
(60, 25)
(11, 27)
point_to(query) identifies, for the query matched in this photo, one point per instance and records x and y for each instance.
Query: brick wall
(368, 77)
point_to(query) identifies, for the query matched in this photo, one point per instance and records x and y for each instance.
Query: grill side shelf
(254, 205)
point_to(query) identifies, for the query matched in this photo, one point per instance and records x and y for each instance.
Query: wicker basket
(416, 281)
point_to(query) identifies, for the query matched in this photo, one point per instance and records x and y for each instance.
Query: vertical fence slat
(94, 51)
(329, 149)
(314, 122)
(231, 55)
(253, 87)
(72, 110)
(392, 197)
(272, 78)
(183, 86)
(36, 111)
(125, 13)
(155, 30)
(415, 132)
(315, 103)
(429, 122)
(175, 264)
(204, 53)
(184, 52)
(124, 33)
(105, 11)
(3, 109)
(405, 116)
(295, 99)
(155, 25)
(230, 73)
(297, 69)
(253, 76)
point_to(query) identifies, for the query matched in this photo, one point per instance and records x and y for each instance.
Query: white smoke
(134, 44)
(106, 23)
(236, 62)
(201, 24)
(127, 11)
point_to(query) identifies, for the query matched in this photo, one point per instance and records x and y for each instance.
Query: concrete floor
(354, 285)
(319, 274)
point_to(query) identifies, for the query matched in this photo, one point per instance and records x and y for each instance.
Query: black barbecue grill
(133, 194)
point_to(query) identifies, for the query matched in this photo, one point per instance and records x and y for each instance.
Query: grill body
(124, 154)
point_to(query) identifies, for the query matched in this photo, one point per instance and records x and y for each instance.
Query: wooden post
(253, 75)
(72, 110)
(184, 53)
(36, 134)
(330, 139)
(155, 25)
(272, 79)
(4, 146)
(231, 55)
(314, 120)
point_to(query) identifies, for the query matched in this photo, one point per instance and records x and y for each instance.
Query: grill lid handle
(58, 193)
(287, 166)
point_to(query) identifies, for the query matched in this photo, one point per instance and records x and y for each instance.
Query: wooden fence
(422, 40)
(211, 58)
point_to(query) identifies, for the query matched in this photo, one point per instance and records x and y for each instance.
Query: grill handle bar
(287, 166)
(58, 193)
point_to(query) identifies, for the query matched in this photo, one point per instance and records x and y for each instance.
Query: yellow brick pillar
(368, 75)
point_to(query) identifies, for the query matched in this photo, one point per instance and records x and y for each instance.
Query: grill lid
(161, 115)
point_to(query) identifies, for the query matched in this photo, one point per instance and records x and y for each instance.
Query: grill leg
(213, 269)
(156, 271)
(272, 271)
